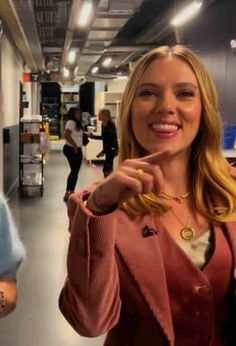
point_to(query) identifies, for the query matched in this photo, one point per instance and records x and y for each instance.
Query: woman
(73, 148)
(152, 249)
(11, 255)
(109, 140)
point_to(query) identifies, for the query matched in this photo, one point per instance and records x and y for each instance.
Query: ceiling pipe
(11, 20)
(25, 12)
(133, 49)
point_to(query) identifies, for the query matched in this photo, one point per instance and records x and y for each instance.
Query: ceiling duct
(121, 7)
(61, 19)
(25, 12)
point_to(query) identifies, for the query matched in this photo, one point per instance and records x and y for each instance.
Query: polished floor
(42, 224)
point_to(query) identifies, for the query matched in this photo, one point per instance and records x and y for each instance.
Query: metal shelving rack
(31, 161)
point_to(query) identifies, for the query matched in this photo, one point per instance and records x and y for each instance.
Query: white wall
(116, 85)
(11, 67)
(12, 72)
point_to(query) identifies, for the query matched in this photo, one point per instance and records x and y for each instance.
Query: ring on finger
(138, 174)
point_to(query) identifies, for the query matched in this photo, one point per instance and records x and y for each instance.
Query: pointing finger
(156, 157)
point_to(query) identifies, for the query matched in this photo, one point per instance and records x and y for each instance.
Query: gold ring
(138, 174)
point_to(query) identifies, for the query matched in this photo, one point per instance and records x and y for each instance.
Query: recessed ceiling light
(233, 44)
(107, 61)
(94, 69)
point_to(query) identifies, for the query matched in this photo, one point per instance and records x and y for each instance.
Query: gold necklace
(187, 232)
(179, 199)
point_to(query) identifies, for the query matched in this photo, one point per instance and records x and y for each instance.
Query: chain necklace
(187, 232)
(179, 199)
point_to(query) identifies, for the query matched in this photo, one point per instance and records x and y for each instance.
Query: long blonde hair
(211, 177)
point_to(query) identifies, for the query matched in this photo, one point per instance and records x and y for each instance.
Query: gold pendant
(187, 233)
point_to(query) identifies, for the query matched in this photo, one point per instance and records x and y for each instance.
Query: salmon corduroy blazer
(116, 280)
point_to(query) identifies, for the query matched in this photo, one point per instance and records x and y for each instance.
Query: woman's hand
(8, 296)
(133, 177)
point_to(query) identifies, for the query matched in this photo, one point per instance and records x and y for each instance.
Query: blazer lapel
(140, 249)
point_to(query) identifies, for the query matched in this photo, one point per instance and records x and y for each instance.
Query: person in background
(12, 253)
(152, 253)
(85, 120)
(63, 112)
(73, 148)
(109, 139)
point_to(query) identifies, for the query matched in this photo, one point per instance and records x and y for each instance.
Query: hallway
(42, 224)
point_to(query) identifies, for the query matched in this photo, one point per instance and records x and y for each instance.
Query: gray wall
(11, 160)
(209, 34)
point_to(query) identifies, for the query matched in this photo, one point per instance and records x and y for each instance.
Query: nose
(165, 104)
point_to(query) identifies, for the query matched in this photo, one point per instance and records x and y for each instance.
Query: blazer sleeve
(12, 250)
(90, 299)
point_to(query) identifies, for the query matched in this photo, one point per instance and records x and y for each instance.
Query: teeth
(169, 127)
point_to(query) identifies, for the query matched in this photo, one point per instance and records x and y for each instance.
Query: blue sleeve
(12, 250)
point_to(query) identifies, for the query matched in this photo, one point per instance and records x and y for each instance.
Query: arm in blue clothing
(11, 255)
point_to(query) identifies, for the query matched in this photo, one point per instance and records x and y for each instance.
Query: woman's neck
(176, 176)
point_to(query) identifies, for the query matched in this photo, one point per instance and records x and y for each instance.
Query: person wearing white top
(73, 148)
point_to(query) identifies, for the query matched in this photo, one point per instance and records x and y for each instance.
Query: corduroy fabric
(116, 278)
(197, 297)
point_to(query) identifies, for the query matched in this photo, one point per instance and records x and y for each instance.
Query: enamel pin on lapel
(148, 231)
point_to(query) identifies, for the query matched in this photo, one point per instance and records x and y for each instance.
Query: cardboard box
(26, 137)
(35, 137)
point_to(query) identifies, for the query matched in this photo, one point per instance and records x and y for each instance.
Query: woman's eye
(146, 93)
(186, 93)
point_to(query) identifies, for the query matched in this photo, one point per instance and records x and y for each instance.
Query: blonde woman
(109, 140)
(152, 250)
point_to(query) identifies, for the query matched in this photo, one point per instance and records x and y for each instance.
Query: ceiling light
(76, 70)
(95, 69)
(186, 14)
(106, 62)
(122, 77)
(66, 72)
(71, 56)
(233, 44)
(85, 13)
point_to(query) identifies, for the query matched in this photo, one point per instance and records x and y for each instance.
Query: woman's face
(77, 114)
(101, 116)
(166, 110)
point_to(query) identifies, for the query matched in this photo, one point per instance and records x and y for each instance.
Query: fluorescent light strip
(85, 13)
(71, 56)
(186, 14)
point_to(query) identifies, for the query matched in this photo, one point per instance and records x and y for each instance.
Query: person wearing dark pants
(108, 163)
(73, 148)
(110, 142)
(74, 158)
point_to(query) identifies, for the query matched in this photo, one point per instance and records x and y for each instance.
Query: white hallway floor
(42, 224)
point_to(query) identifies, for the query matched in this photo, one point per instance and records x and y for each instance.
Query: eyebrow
(177, 85)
